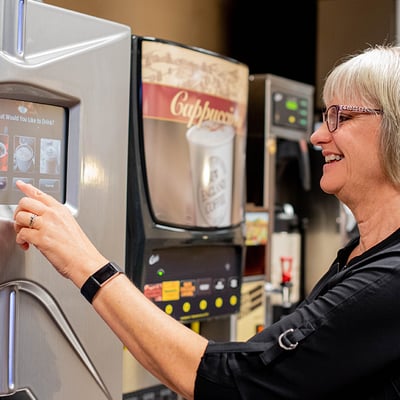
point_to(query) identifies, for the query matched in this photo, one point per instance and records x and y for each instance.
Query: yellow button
(169, 309)
(219, 302)
(203, 304)
(186, 307)
(233, 300)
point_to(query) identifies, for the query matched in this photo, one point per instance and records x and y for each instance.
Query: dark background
(277, 37)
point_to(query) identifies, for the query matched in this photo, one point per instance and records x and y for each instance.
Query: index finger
(34, 201)
(34, 193)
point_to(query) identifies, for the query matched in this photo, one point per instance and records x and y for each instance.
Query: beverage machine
(280, 120)
(63, 128)
(186, 187)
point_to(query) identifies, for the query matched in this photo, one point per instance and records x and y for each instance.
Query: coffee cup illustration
(3, 157)
(211, 146)
(24, 157)
(51, 159)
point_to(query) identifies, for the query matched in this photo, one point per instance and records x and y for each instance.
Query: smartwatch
(98, 280)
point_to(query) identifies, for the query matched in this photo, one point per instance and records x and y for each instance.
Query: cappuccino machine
(63, 127)
(186, 188)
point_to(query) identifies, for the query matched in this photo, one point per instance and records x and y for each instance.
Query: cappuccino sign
(194, 107)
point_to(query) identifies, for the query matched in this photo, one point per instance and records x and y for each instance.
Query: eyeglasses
(332, 115)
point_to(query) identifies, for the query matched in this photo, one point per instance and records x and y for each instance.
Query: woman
(343, 341)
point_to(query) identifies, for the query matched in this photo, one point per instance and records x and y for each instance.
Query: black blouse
(341, 342)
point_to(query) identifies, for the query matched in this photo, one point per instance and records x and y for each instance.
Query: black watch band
(99, 279)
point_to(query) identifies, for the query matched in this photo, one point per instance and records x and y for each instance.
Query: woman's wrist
(81, 269)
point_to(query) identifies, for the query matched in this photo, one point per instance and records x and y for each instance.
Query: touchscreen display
(32, 148)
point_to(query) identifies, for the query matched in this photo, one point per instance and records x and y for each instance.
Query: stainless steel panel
(62, 348)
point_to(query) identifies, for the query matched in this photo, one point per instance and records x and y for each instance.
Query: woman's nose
(321, 134)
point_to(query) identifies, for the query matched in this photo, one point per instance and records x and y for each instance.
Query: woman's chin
(328, 187)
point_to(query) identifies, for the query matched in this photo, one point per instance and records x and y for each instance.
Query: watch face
(105, 273)
(98, 279)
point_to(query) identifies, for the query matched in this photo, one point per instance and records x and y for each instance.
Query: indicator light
(160, 272)
(292, 105)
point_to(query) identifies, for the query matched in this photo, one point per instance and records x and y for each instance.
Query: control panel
(194, 282)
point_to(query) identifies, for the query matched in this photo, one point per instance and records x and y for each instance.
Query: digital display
(32, 148)
(290, 111)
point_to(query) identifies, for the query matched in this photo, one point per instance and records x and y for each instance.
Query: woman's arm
(164, 346)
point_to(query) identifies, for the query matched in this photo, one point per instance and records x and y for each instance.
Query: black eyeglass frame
(340, 107)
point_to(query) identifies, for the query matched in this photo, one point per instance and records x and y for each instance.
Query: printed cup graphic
(24, 157)
(211, 147)
(51, 159)
(3, 157)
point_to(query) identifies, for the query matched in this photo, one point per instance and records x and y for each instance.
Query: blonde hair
(372, 79)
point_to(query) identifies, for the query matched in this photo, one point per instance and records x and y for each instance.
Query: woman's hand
(49, 225)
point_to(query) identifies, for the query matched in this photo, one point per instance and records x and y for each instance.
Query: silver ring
(32, 220)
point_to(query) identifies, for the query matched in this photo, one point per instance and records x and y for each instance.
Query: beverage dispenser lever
(286, 282)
